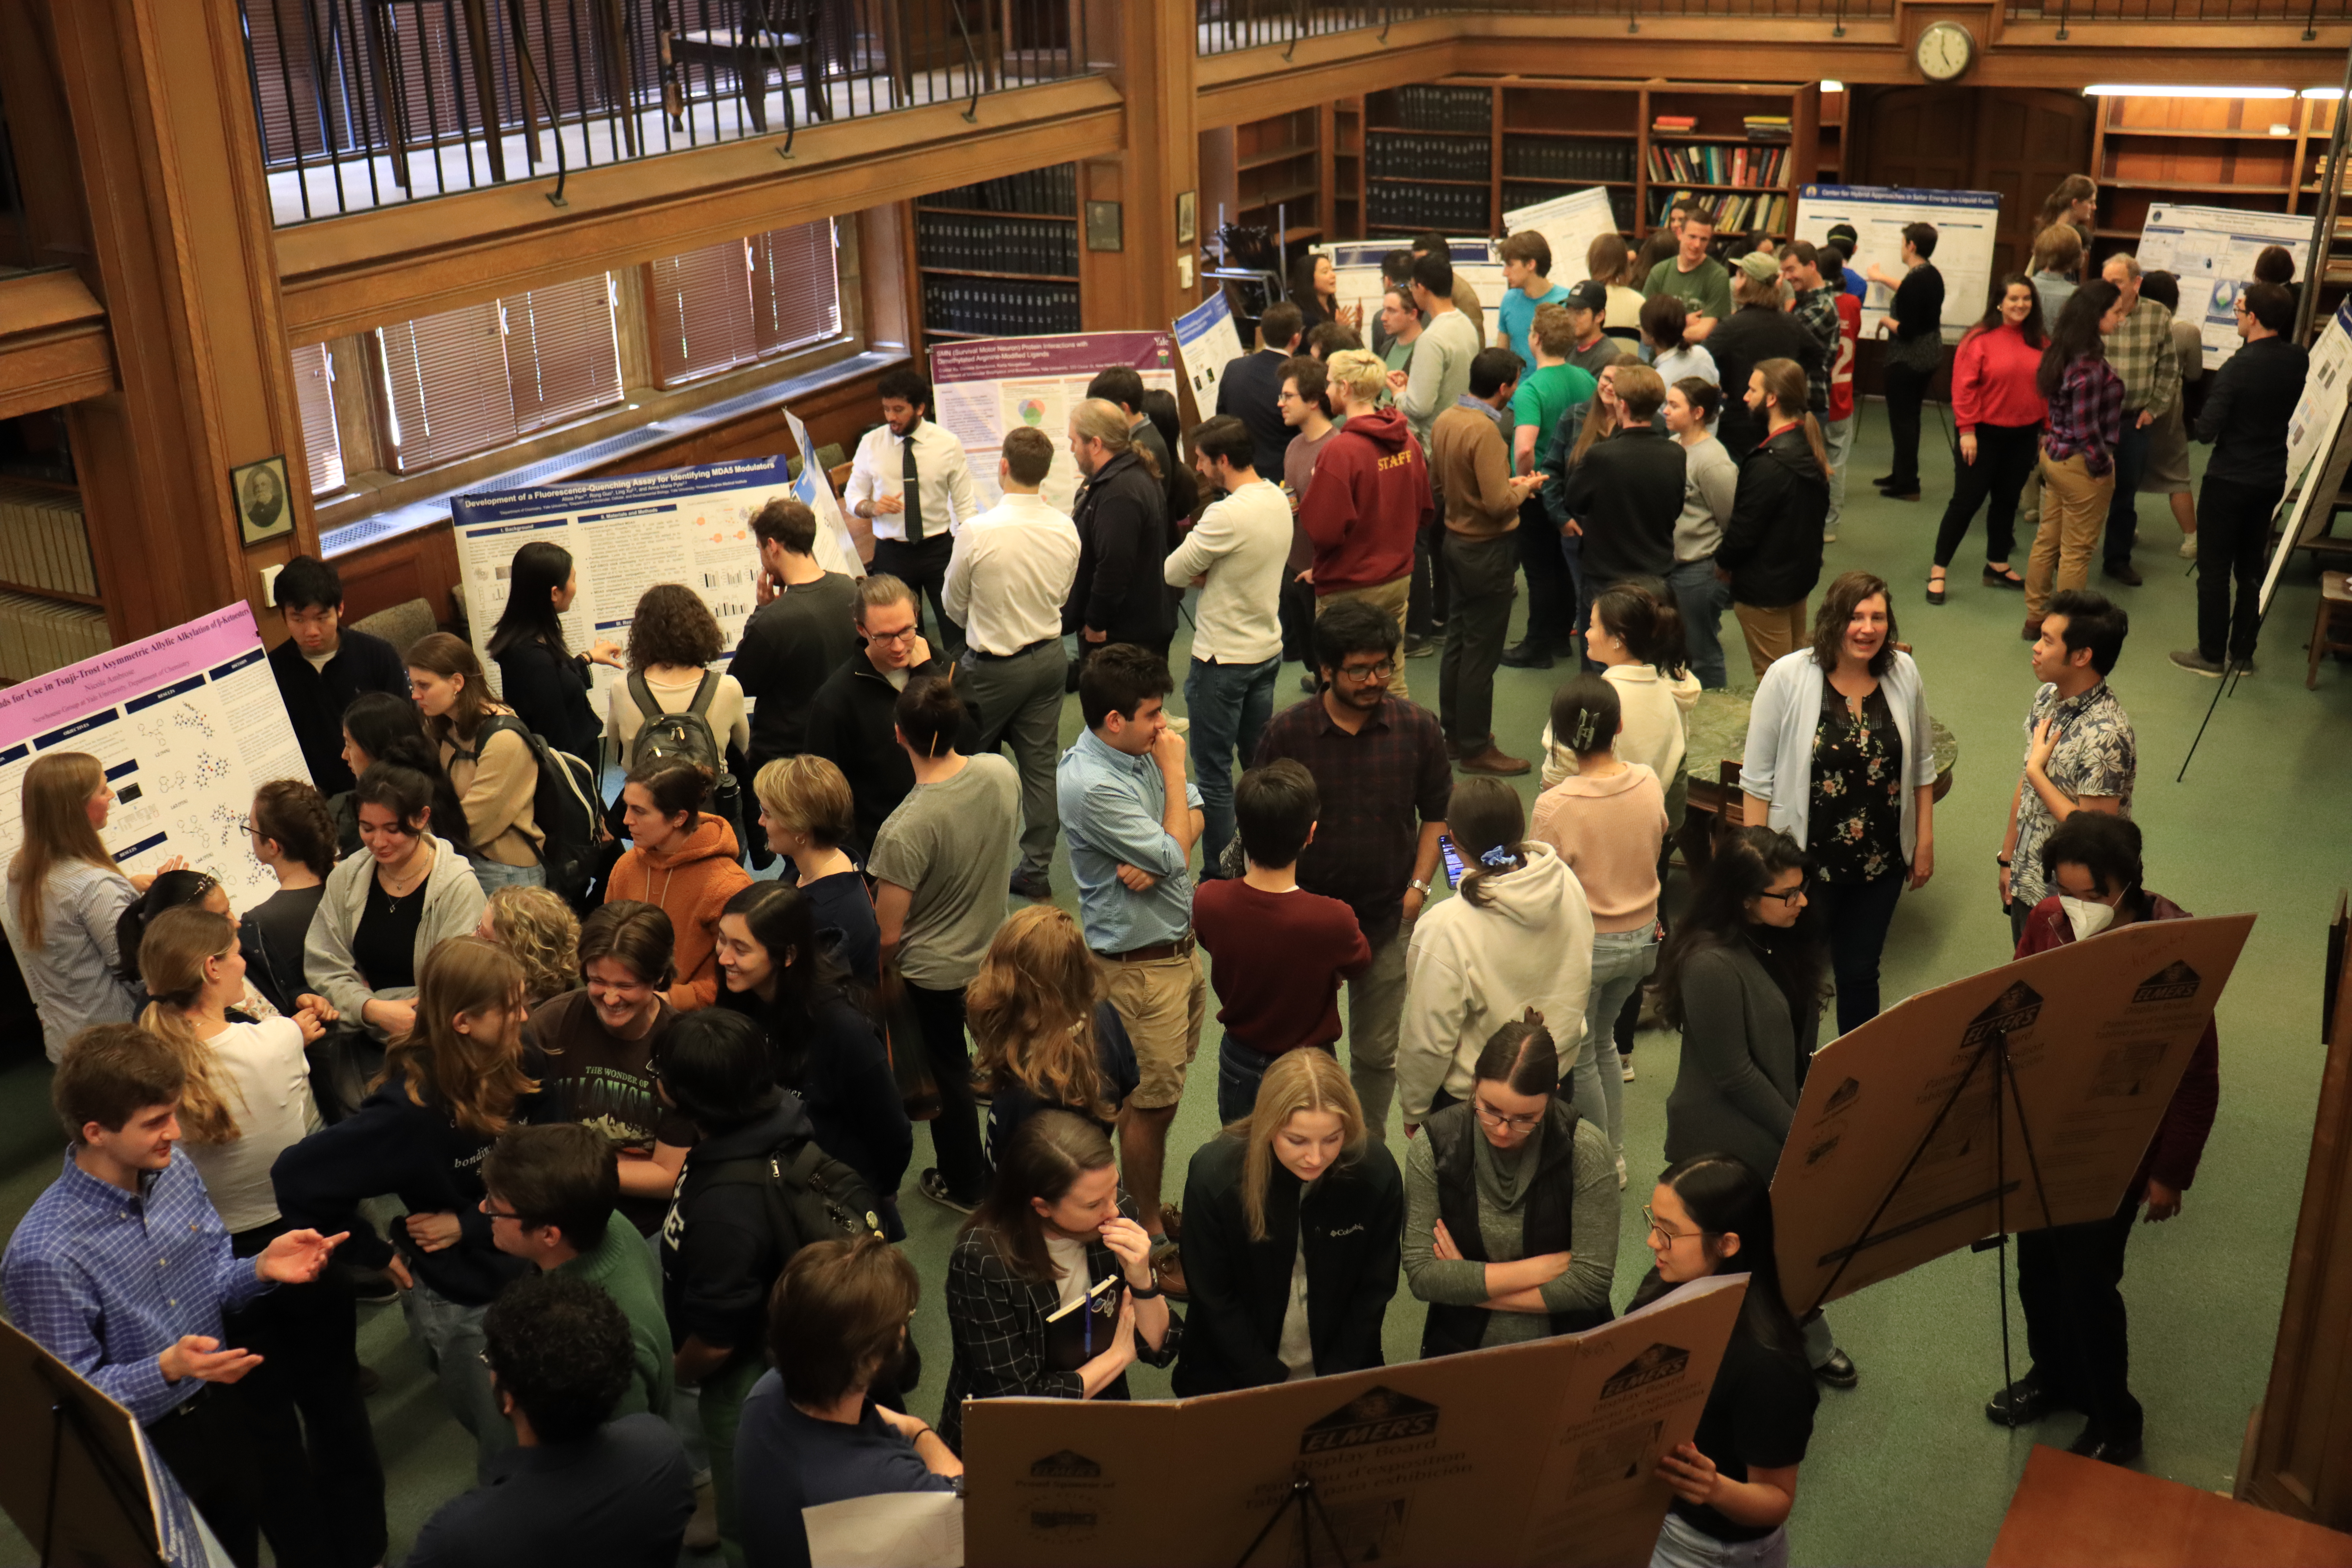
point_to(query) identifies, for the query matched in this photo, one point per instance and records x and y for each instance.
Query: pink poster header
(47, 701)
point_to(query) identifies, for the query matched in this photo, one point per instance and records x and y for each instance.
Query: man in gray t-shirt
(942, 865)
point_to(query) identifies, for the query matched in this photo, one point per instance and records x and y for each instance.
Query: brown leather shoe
(1168, 1273)
(1171, 1221)
(1494, 761)
(2033, 632)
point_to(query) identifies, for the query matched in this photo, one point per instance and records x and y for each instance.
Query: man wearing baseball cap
(1587, 312)
(1757, 331)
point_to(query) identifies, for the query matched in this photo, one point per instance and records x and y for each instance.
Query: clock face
(1944, 51)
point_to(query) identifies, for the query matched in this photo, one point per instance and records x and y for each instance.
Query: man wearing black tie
(911, 481)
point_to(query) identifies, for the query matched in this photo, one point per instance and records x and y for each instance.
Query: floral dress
(1854, 825)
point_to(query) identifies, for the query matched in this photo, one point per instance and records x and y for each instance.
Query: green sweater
(622, 1267)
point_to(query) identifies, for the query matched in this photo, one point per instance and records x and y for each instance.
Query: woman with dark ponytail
(1772, 545)
(1736, 1480)
(1637, 639)
(1510, 1227)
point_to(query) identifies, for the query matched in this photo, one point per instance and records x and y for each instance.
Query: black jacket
(1248, 389)
(852, 724)
(843, 1078)
(1772, 545)
(1122, 519)
(549, 691)
(315, 698)
(721, 1254)
(1626, 493)
(416, 1154)
(1741, 341)
(2246, 412)
(789, 645)
(1548, 1212)
(1240, 1289)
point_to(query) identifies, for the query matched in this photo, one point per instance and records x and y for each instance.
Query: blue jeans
(493, 875)
(450, 1337)
(1229, 705)
(1579, 608)
(1700, 598)
(1622, 960)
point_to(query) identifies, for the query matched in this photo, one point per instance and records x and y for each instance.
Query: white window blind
(744, 299)
(484, 375)
(314, 395)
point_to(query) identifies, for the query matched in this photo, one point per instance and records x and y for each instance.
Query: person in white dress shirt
(1237, 552)
(914, 524)
(1010, 571)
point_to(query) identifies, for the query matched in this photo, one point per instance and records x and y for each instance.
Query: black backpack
(686, 736)
(564, 807)
(812, 1197)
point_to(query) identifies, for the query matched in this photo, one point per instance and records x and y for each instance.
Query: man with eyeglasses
(1378, 763)
(851, 721)
(1372, 496)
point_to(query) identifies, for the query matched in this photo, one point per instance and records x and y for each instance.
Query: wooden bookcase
(1004, 251)
(1829, 160)
(1278, 174)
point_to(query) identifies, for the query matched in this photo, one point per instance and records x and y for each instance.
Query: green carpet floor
(1905, 1468)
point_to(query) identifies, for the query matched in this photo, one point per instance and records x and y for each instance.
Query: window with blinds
(744, 299)
(483, 375)
(314, 395)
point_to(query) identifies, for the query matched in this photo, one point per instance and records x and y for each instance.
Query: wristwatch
(1421, 886)
(1141, 1294)
(1999, 857)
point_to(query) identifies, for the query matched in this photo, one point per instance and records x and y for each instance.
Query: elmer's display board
(186, 725)
(626, 534)
(1964, 223)
(986, 387)
(1569, 224)
(1477, 258)
(2211, 250)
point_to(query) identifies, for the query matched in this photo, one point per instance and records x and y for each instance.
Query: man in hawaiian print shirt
(2079, 750)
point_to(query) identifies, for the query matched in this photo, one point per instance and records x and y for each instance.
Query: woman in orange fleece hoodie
(684, 860)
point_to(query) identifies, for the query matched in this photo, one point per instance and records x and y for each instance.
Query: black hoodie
(1772, 545)
(1122, 521)
(720, 1255)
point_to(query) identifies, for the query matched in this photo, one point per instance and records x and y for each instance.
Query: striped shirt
(2140, 350)
(107, 1280)
(2087, 417)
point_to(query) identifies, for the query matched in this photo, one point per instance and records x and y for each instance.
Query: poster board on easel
(2318, 445)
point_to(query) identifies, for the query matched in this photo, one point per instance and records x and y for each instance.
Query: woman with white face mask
(2069, 1278)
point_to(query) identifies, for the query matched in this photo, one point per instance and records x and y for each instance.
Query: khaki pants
(2073, 513)
(1163, 1002)
(1772, 632)
(1389, 596)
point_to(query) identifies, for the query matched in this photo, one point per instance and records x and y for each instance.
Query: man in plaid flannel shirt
(2140, 350)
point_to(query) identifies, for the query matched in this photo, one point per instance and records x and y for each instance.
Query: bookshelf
(1000, 259)
(1278, 174)
(1554, 143)
(1430, 160)
(1829, 160)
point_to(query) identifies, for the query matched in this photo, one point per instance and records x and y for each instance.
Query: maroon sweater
(1277, 959)
(1371, 495)
(2179, 1141)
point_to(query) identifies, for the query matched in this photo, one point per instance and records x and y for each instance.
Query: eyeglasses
(495, 1213)
(1381, 671)
(1658, 1228)
(1788, 898)
(1493, 1118)
(899, 637)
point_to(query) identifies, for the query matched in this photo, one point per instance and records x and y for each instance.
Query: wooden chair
(2332, 631)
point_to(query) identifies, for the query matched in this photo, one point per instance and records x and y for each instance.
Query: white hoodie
(1470, 970)
(1656, 713)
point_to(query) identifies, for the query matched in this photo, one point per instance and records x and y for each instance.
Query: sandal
(1936, 586)
(2003, 577)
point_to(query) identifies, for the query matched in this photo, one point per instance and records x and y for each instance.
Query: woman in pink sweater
(1999, 411)
(1608, 821)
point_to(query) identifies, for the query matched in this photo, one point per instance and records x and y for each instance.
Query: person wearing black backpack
(494, 768)
(755, 1189)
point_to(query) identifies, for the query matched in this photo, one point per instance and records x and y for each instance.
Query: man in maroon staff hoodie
(1370, 499)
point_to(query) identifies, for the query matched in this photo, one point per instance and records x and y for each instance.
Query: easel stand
(1301, 1496)
(1991, 1054)
(129, 1493)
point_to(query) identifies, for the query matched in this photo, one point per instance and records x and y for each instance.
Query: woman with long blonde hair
(1294, 1218)
(65, 896)
(450, 1085)
(1045, 1038)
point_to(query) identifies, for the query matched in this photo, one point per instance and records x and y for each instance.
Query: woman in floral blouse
(1841, 758)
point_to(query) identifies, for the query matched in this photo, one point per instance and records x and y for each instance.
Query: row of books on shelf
(1393, 154)
(1730, 164)
(38, 635)
(44, 542)
(1561, 158)
(1754, 127)
(1445, 108)
(996, 245)
(1514, 197)
(1739, 213)
(1052, 190)
(1449, 209)
(1000, 310)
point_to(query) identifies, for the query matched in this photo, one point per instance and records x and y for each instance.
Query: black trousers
(1906, 390)
(955, 1135)
(2233, 526)
(2070, 1282)
(1854, 916)
(307, 1423)
(2005, 458)
(1478, 617)
(207, 1444)
(1551, 593)
(924, 568)
(1296, 611)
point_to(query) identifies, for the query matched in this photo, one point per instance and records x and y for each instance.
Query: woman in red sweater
(2000, 412)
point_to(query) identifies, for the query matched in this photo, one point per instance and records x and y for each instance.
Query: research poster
(683, 525)
(1207, 340)
(816, 491)
(186, 725)
(1887, 1167)
(1358, 264)
(1964, 223)
(987, 386)
(2211, 250)
(2316, 459)
(1570, 224)
(1539, 1453)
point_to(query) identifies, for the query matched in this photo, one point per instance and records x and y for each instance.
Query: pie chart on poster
(1033, 411)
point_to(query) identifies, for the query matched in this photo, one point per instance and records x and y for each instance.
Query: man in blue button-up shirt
(122, 1269)
(1131, 821)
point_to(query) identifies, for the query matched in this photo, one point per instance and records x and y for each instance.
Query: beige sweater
(498, 792)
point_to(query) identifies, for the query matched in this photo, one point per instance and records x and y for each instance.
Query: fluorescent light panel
(2323, 92)
(2117, 90)
(1828, 86)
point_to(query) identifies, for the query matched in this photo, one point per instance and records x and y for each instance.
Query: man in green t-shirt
(1697, 279)
(1545, 394)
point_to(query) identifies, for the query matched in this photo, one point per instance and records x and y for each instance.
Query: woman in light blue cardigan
(1841, 758)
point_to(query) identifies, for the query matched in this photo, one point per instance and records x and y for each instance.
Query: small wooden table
(2072, 1512)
